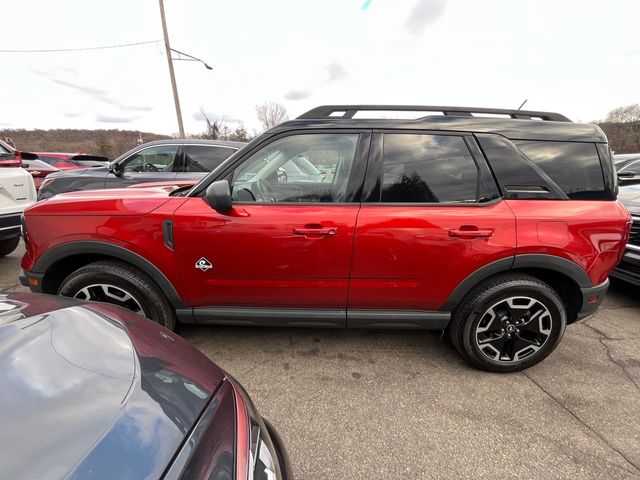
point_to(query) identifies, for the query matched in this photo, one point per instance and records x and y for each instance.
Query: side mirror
(219, 196)
(116, 169)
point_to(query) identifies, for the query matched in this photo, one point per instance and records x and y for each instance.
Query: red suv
(499, 226)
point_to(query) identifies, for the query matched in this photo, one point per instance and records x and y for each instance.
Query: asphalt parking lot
(354, 404)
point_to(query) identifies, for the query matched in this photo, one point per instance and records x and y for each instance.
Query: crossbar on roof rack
(348, 111)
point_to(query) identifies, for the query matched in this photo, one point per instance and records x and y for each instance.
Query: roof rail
(348, 111)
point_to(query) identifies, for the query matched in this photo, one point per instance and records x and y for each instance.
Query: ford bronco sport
(499, 226)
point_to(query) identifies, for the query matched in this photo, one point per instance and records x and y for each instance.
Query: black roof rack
(348, 111)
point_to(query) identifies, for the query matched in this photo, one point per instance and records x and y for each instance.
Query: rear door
(431, 218)
(156, 163)
(286, 244)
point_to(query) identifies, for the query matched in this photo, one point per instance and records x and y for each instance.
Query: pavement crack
(636, 468)
(602, 339)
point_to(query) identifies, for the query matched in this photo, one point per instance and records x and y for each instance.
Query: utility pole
(171, 74)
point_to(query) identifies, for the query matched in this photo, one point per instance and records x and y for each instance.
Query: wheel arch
(567, 278)
(57, 263)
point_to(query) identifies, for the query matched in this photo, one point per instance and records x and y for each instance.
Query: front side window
(575, 167)
(428, 169)
(205, 158)
(153, 159)
(298, 168)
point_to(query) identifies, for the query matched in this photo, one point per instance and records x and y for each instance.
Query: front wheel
(508, 323)
(120, 284)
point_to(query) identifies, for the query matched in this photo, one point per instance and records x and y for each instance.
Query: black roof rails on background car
(348, 111)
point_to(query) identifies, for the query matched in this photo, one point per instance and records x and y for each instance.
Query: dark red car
(501, 229)
(72, 161)
(92, 391)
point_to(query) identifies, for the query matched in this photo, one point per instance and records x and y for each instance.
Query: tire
(123, 285)
(9, 245)
(508, 323)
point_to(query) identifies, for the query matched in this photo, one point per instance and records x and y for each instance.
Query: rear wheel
(9, 245)
(508, 323)
(120, 284)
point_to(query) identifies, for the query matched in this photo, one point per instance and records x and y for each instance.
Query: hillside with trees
(109, 143)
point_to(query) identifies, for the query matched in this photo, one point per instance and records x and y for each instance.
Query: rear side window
(204, 158)
(574, 167)
(428, 169)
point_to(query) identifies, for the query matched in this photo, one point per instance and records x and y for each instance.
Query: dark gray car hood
(91, 391)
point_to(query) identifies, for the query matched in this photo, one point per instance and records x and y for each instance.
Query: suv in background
(501, 229)
(17, 192)
(629, 268)
(159, 161)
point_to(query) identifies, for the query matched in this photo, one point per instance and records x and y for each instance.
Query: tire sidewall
(8, 245)
(545, 296)
(70, 288)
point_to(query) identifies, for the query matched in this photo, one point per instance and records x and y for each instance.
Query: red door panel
(413, 257)
(265, 255)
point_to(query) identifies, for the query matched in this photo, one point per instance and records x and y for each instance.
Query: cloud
(336, 72)
(423, 13)
(297, 94)
(73, 114)
(95, 93)
(115, 119)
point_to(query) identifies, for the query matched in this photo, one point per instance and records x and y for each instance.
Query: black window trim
(549, 191)
(373, 182)
(356, 177)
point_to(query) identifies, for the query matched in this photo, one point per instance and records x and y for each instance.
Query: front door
(152, 164)
(287, 242)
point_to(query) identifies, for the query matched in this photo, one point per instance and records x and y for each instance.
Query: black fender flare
(65, 250)
(533, 260)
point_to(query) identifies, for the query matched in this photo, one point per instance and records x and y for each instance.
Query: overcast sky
(580, 58)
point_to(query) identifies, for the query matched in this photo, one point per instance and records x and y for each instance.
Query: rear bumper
(10, 225)
(592, 297)
(629, 268)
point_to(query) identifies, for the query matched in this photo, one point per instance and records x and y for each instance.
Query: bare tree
(271, 114)
(214, 127)
(624, 128)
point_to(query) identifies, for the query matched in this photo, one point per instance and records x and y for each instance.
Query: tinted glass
(153, 159)
(428, 169)
(54, 160)
(298, 168)
(633, 167)
(204, 158)
(575, 167)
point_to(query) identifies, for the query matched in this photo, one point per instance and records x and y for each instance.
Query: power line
(54, 50)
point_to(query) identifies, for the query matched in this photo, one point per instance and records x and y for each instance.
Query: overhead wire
(82, 49)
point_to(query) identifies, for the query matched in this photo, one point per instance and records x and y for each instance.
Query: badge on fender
(204, 264)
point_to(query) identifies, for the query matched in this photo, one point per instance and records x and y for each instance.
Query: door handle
(470, 231)
(315, 229)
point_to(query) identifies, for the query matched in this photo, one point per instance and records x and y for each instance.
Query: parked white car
(17, 192)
